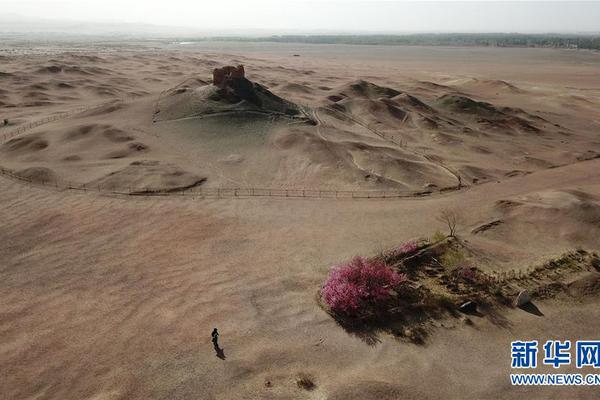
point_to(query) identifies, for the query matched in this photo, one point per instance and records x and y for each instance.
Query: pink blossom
(406, 248)
(361, 282)
(469, 274)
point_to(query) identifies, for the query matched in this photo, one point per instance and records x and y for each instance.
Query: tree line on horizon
(576, 41)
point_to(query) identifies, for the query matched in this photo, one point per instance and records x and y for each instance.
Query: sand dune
(147, 175)
(573, 215)
(108, 296)
(376, 113)
(491, 85)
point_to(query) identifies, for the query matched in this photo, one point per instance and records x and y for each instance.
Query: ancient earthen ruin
(232, 86)
(221, 76)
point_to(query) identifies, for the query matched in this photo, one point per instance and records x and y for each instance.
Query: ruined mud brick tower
(222, 76)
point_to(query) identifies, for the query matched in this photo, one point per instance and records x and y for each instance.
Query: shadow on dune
(532, 309)
(369, 337)
(219, 352)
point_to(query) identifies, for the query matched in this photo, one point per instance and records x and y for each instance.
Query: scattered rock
(306, 382)
(486, 227)
(138, 146)
(468, 308)
(522, 298)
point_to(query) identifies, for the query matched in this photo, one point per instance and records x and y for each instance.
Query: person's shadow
(220, 353)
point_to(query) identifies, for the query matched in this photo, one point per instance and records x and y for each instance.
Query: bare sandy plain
(109, 296)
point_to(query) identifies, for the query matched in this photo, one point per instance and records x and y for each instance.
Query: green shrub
(453, 257)
(437, 237)
(446, 301)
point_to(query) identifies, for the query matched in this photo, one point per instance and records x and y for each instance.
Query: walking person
(215, 340)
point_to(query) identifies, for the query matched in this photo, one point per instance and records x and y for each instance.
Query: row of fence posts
(512, 274)
(214, 192)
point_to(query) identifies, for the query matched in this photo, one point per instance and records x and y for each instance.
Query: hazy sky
(331, 15)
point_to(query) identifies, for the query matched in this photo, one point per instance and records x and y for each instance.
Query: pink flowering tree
(360, 286)
(470, 274)
(406, 248)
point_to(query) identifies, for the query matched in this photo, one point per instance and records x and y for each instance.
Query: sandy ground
(114, 297)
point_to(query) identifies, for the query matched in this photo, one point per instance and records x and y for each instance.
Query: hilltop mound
(463, 104)
(488, 116)
(494, 85)
(150, 176)
(363, 89)
(230, 91)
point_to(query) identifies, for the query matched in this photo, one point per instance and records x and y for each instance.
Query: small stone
(522, 298)
(468, 308)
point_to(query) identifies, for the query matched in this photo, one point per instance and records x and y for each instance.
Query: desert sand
(112, 296)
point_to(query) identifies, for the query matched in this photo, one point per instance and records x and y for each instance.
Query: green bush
(437, 237)
(453, 258)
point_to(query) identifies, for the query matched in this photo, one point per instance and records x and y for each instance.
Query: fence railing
(220, 193)
(282, 193)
